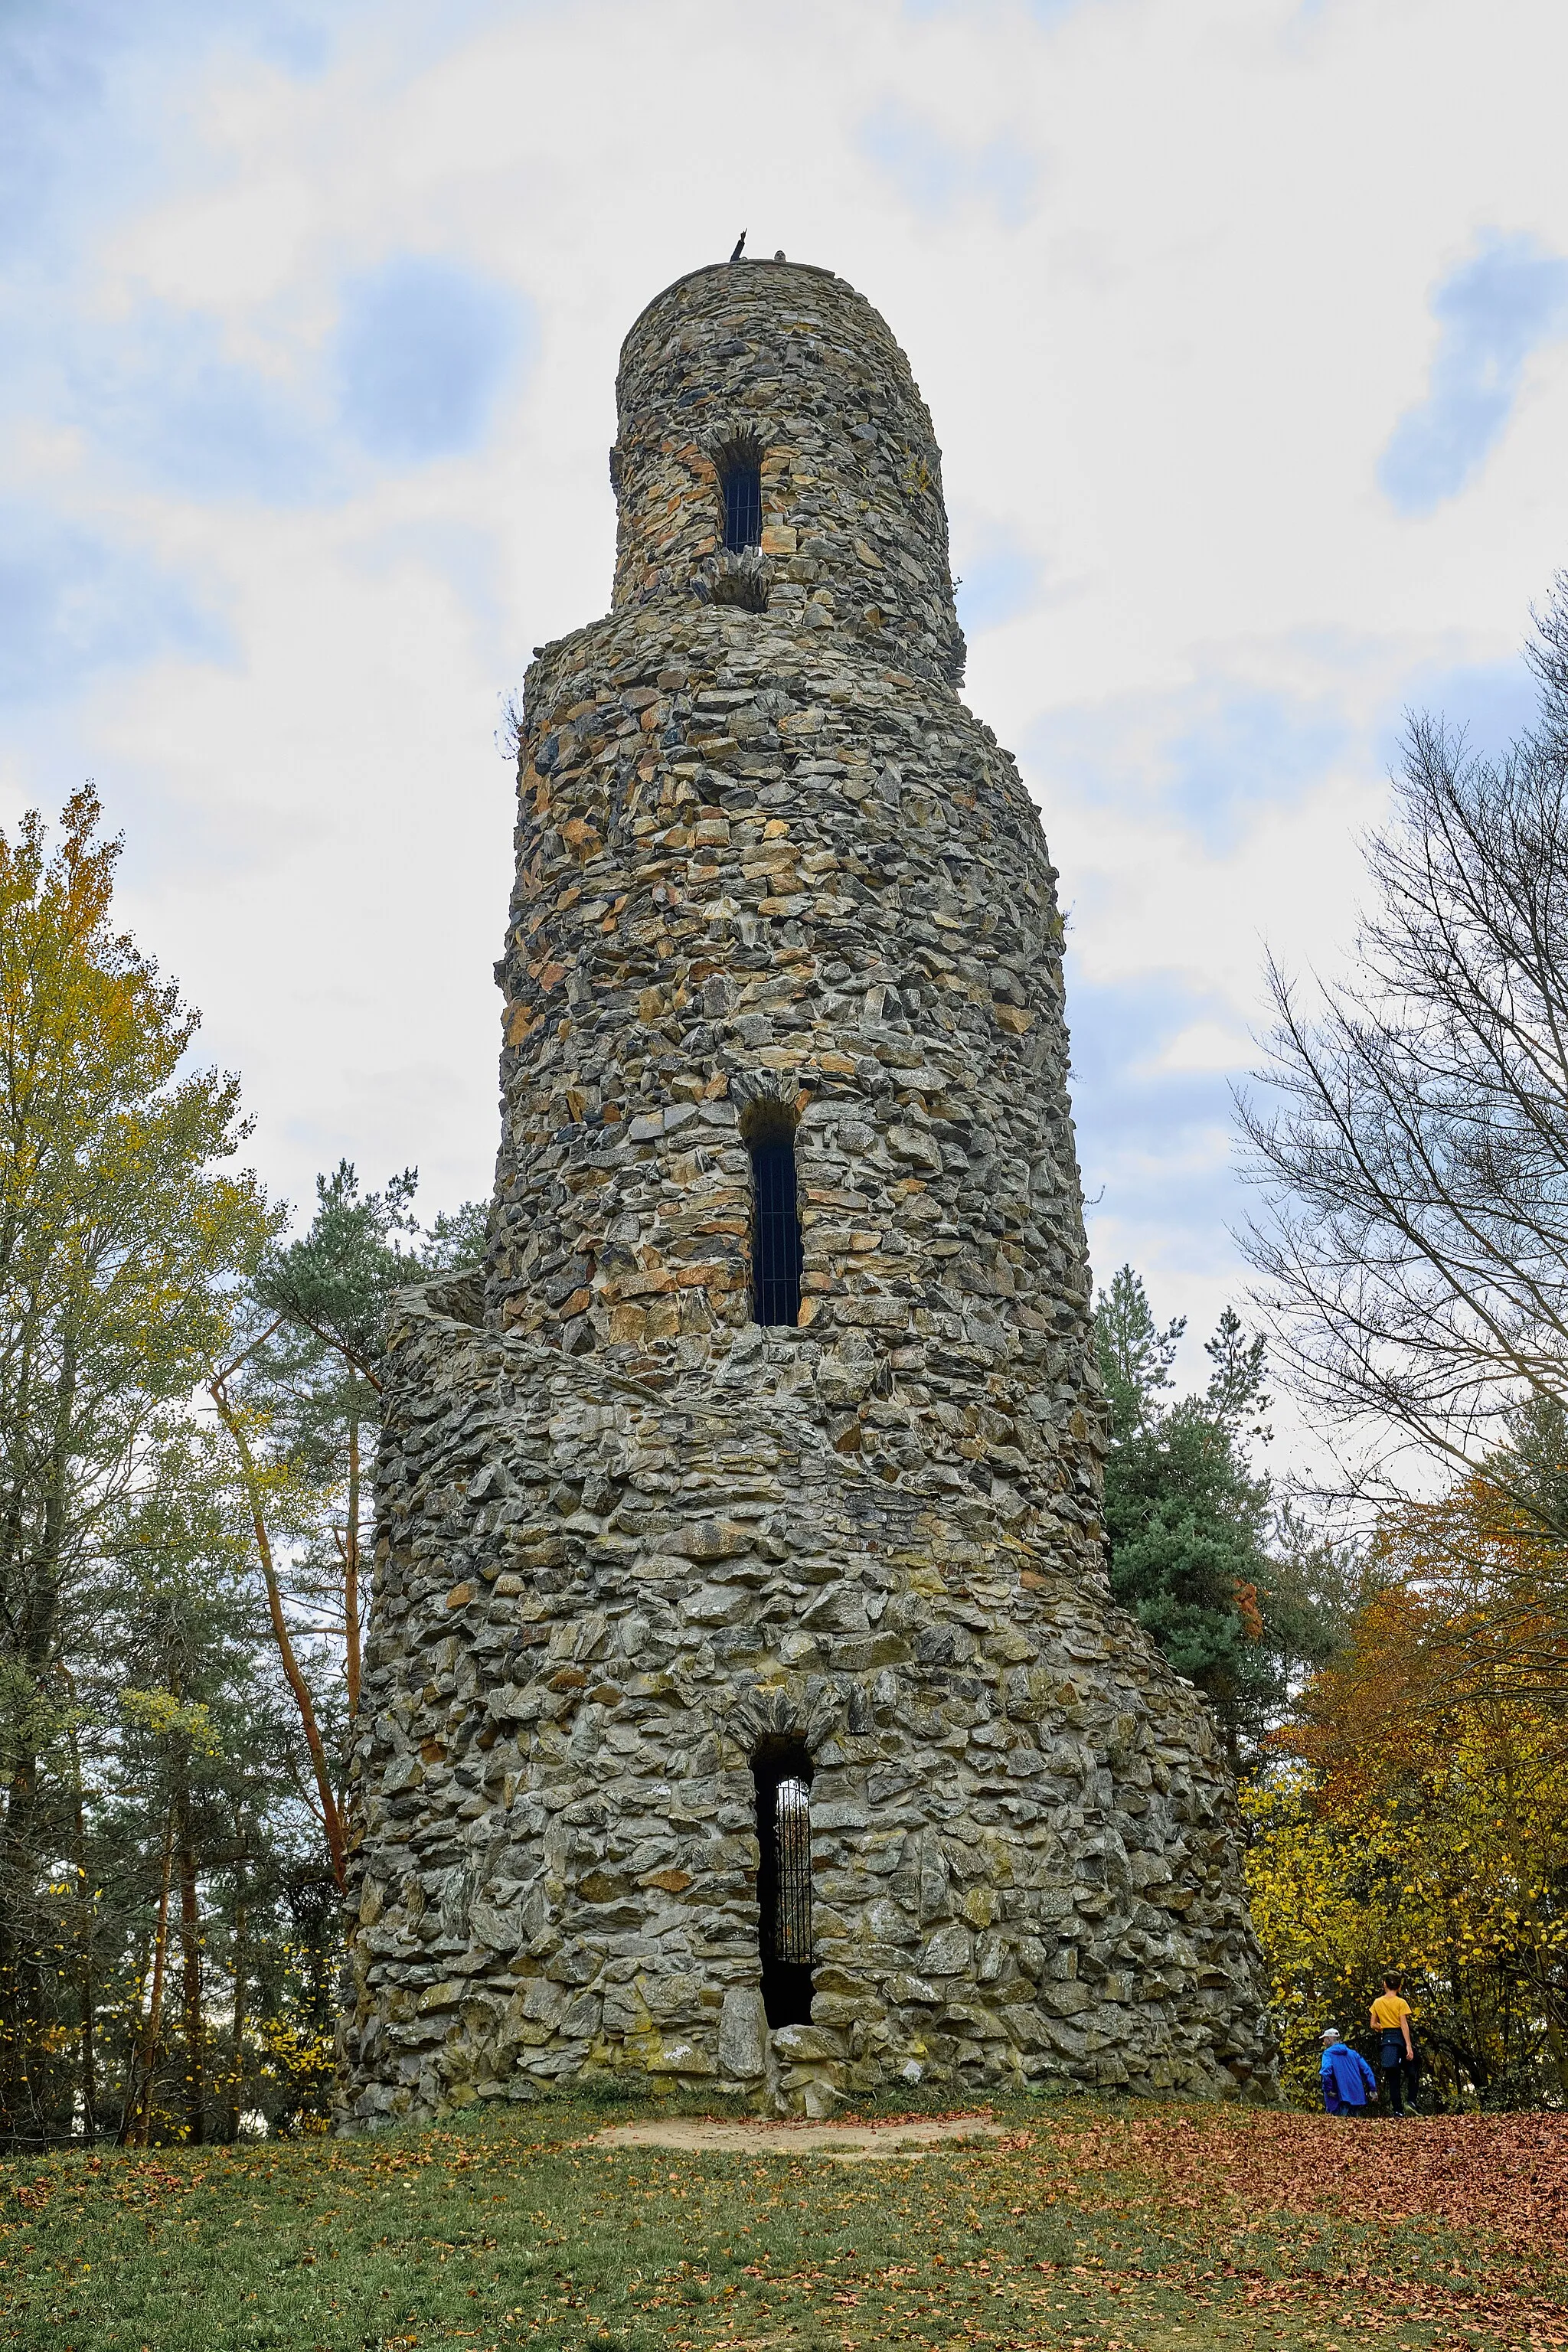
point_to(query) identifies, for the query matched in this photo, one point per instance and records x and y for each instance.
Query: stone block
(682, 2058)
(626, 2011)
(743, 2034)
(712, 1539)
(445, 1994)
(544, 2002)
(905, 1989)
(949, 1952)
(800, 2045)
(717, 1605)
(499, 1929)
(581, 2019)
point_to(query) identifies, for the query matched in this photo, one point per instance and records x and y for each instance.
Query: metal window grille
(792, 1835)
(777, 1251)
(742, 508)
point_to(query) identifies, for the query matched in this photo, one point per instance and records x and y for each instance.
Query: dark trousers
(1398, 2073)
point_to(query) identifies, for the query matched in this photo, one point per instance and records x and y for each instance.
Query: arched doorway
(782, 1771)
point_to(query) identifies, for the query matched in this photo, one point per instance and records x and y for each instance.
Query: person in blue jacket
(1348, 2081)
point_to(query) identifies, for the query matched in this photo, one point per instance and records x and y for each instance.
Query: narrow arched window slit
(777, 1251)
(740, 468)
(742, 508)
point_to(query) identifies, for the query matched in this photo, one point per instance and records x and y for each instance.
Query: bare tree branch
(1411, 1147)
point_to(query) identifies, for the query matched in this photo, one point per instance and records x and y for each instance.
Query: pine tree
(1232, 1588)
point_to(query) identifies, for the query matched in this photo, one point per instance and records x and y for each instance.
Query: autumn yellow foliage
(1415, 1818)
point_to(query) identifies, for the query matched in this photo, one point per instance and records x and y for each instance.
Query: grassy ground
(1084, 2225)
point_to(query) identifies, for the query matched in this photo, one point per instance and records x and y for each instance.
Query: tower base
(600, 1599)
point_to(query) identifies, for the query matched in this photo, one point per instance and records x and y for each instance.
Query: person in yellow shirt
(1390, 2023)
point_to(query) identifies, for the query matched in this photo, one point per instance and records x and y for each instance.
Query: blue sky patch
(423, 349)
(937, 176)
(1492, 311)
(1155, 1144)
(1000, 579)
(79, 82)
(72, 602)
(1494, 703)
(166, 398)
(1216, 756)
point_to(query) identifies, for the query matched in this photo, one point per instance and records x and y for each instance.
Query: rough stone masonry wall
(797, 364)
(625, 1533)
(595, 1595)
(790, 871)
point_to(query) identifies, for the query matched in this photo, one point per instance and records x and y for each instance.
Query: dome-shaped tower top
(773, 452)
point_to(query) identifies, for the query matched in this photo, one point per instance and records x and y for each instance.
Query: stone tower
(745, 1702)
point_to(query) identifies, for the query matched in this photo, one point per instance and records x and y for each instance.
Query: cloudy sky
(1244, 324)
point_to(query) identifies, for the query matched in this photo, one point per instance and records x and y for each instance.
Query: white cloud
(1165, 276)
(1205, 1046)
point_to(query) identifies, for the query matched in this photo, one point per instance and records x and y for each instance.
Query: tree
(1418, 1819)
(187, 1408)
(277, 1512)
(329, 1291)
(1232, 1590)
(201, 1733)
(1412, 1151)
(118, 1239)
(1493, 1569)
(300, 1396)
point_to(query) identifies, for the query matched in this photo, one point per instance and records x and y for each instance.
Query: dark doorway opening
(777, 1251)
(782, 1769)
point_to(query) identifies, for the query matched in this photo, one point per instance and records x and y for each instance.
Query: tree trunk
(236, 2087)
(142, 2111)
(191, 1978)
(23, 2063)
(332, 1820)
(1470, 2053)
(128, 2087)
(20, 1980)
(84, 1973)
(350, 1576)
(1557, 2042)
(29, 1621)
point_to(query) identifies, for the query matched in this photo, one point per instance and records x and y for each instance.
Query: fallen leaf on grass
(1507, 2174)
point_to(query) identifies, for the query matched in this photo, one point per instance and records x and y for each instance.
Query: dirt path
(843, 2143)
